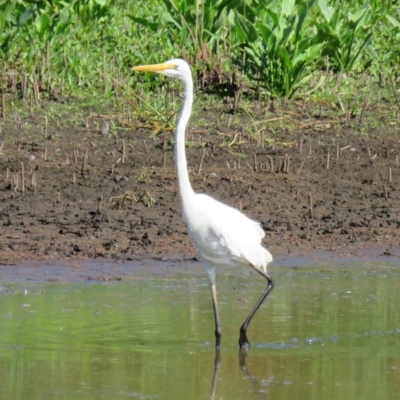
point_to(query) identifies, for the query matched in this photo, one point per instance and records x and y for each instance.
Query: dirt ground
(313, 183)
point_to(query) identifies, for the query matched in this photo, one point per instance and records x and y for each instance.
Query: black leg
(243, 342)
(218, 329)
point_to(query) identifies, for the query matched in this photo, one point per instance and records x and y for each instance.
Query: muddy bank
(113, 196)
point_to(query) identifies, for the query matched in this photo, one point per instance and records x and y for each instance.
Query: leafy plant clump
(52, 46)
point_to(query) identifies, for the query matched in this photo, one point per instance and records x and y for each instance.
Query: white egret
(222, 235)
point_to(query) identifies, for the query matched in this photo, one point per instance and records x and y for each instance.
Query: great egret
(222, 235)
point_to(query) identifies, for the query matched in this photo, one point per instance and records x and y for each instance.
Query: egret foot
(243, 341)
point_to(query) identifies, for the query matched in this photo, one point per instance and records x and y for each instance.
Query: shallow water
(324, 333)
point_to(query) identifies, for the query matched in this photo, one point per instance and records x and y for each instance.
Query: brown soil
(355, 203)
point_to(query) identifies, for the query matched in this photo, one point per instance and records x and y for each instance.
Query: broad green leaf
(25, 16)
(245, 29)
(142, 21)
(358, 15)
(166, 17)
(42, 23)
(326, 10)
(274, 16)
(61, 28)
(287, 7)
(393, 21)
(101, 3)
(231, 17)
(265, 32)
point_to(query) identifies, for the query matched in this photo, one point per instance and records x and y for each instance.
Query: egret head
(176, 68)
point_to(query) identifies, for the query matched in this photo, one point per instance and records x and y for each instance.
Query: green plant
(346, 35)
(280, 49)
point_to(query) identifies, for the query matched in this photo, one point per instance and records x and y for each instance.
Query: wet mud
(94, 196)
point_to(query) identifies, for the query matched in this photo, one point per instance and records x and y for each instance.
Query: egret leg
(218, 329)
(243, 342)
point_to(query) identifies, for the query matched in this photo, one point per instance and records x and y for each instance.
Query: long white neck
(185, 188)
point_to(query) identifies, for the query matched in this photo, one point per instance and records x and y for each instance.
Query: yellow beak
(154, 67)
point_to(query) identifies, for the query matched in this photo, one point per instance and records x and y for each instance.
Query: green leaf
(326, 10)
(101, 3)
(25, 16)
(393, 21)
(166, 17)
(42, 23)
(287, 7)
(245, 29)
(265, 32)
(144, 22)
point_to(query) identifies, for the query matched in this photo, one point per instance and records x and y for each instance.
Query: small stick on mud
(281, 162)
(298, 195)
(301, 146)
(7, 173)
(385, 192)
(397, 159)
(240, 205)
(24, 85)
(22, 177)
(83, 164)
(31, 105)
(145, 146)
(165, 144)
(227, 164)
(46, 122)
(73, 178)
(248, 190)
(337, 152)
(165, 159)
(123, 152)
(16, 181)
(58, 197)
(286, 164)
(3, 106)
(45, 154)
(390, 174)
(255, 162)
(36, 91)
(201, 160)
(99, 204)
(310, 150)
(76, 157)
(328, 159)
(301, 166)
(33, 181)
(310, 204)
(271, 163)
(229, 121)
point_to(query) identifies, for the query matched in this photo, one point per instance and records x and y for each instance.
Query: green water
(324, 333)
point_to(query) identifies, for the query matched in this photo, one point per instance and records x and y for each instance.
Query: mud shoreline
(90, 196)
